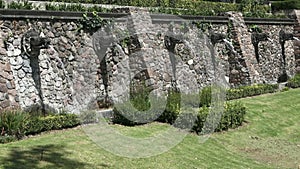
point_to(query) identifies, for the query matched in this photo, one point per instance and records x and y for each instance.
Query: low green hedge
(76, 8)
(294, 82)
(247, 91)
(52, 122)
(232, 117)
(15, 124)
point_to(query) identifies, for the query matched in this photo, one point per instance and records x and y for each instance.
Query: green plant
(7, 139)
(173, 105)
(294, 82)
(205, 96)
(52, 122)
(285, 5)
(253, 8)
(256, 29)
(232, 117)
(285, 89)
(20, 5)
(94, 22)
(2, 4)
(246, 91)
(13, 122)
(203, 26)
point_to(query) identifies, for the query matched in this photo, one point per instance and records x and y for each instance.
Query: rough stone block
(3, 88)
(5, 104)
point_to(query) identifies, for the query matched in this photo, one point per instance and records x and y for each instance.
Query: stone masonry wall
(71, 75)
(297, 43)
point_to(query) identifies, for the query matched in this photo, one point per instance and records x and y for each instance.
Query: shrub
(205, 96)
(126, 114)
(285, 89)
(232, 117)
(20, 5)
(285, 5)
(172, 107)
(247, 91)
(13, 123)
(52, 122)
(7, 139)
(294, 82)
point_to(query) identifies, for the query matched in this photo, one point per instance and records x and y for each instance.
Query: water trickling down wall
(72, 74)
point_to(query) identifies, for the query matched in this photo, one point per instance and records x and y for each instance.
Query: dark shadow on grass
(44, 156)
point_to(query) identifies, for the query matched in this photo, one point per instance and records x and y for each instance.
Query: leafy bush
(253, 8)
(232, 117)
(13, 123)
(177, 102)
(20, 5)
(294, 82)
(76, 8)
(127, 114)
(285, 5)
(52, 122)
(205, 96)
(7, 139)
(172, 107)
(247, 91)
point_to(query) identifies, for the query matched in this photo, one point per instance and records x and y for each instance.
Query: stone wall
(297, 43)
(74, 73)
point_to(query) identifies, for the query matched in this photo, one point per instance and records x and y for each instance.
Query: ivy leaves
(92, 23)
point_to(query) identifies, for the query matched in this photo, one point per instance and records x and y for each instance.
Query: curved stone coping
(36, 14)
(163, 18)
(156, 18)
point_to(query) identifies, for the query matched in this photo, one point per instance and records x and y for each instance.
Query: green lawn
(269, 139)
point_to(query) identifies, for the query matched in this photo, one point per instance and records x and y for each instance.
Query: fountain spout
(256, 38)
(297, 39)
(283, 36)
(32, 43)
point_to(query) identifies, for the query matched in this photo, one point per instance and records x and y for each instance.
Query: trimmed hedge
(239, 92)
(15, 124)
(52, 122)
(247, 91)
(233, 112)
(76, 8)
(232, 117)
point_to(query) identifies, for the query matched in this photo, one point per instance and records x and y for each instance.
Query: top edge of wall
(156, 18)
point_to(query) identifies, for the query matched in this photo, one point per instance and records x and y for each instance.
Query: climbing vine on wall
(94, 22)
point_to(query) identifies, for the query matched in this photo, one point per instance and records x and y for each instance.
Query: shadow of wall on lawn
(44, 156)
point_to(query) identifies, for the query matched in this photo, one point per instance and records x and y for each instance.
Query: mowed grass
(269, 139)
